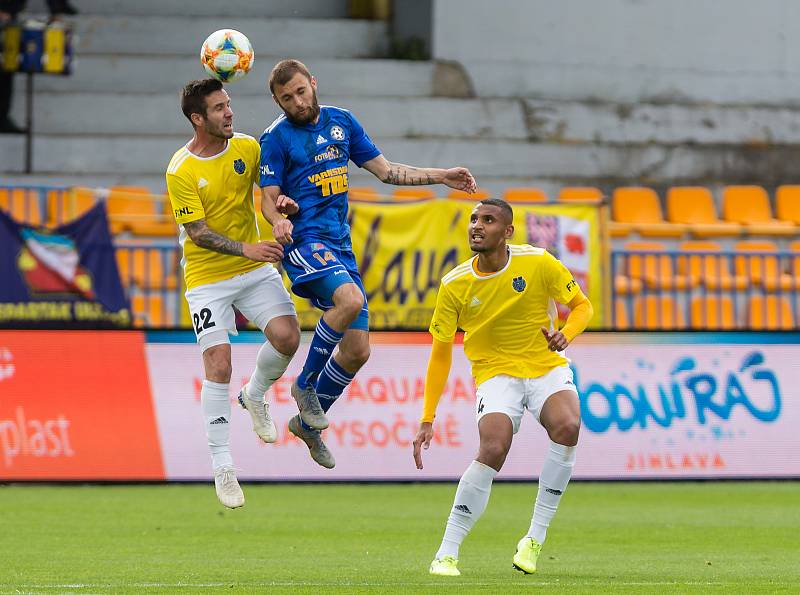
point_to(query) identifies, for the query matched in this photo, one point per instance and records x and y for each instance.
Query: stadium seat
(410, 193)
(770, 312)
(654, 270)
(626, 285)
(162, 226)
(640, 209)
(787, 203)
(363, 193)
(711, 312)
(144, 268)
(129, 206)
(149, 311)
(749, 205)
(66, 205)
(654, 312)
(525, 195)
(580, 194)
(711, 270)
(22, 204)
(621, 318)
(761, 266)
(694, 206)
(795, 267)
(479, 194)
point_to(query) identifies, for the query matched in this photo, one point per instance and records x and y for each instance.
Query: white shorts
(512, 396)
(258, 294)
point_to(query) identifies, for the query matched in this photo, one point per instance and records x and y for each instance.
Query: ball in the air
(227, 55)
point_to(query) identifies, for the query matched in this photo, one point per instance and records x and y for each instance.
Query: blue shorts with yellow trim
(316, 270)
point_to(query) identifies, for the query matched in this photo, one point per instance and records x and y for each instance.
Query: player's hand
(423, 440)
(556, 341)
(460, 178)
(286, 205)
(263, 251)
(282, 230)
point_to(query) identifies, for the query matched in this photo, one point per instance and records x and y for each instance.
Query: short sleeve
(561, 285)
(445, 316)
(186, 203)
(272, 161)
(362, 149)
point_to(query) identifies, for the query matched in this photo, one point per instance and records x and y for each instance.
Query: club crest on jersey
(518, 284)
(239, 166)
(337, 133)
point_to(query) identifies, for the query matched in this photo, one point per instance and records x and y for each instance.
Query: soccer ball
(227, 55)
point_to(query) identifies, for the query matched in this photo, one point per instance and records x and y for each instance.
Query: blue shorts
(317, 270)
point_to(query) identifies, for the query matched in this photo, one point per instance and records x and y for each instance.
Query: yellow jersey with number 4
(502, 313)
(218, 189)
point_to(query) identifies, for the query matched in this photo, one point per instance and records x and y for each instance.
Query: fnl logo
(7, 367)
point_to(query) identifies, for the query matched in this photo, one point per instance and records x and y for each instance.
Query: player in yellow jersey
(504, 300)
(210, 184)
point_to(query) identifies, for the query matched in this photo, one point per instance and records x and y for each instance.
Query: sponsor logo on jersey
(331, 152)
(331, 181)
(321, 140)
(572, 285)
(337, 133)
(239, 167)
(266, 171)
(518, 284)
(475, 302)
(202, 183)
(183, 211)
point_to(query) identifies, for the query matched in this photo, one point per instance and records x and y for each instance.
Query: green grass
(646, 538)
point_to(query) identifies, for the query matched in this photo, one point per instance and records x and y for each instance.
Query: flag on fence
(65, 275)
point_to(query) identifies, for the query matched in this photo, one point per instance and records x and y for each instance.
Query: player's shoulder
(277, 124)
(462, 270)
(178, 159)
(527, 250)
(242, 138)
(334, 110)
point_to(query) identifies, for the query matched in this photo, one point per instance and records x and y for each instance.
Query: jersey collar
(478, 275)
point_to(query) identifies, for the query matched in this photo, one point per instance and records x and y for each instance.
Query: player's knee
(355, 356)
(349, 300)
(286, 339)
(493, 453)
(217, 365)
(566, 431)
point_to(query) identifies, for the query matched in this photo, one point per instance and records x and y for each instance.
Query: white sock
(270, 365)
(553, 480)
(471, 498)
(216, 404)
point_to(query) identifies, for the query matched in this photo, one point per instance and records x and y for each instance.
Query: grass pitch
(622, 537)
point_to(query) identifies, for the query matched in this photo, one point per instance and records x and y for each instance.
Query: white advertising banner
(652, 405)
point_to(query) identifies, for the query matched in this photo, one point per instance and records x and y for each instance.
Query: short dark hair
(283, 72)
(502, 205)
(193, 96)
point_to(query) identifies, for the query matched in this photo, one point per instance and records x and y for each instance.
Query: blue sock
(325, 339)
(331, 383)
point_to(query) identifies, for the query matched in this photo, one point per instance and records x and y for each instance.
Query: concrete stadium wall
(732, 52)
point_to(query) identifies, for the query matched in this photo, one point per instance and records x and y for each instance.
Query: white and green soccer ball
(227, 55)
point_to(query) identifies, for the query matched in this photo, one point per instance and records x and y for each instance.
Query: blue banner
(65, 275)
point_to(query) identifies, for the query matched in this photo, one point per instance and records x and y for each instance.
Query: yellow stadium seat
(22, 204)
(756, 264)
(403, 193)
(694, 206)
(658, 312)
(770, 312)
(712, 312)
(787, 203)
(363, 193)
(711, 270)
(654, 270)
(479, 194)
(525, 195)
(66, 205)
(749, 205)
(580, 194)
(129, 206)
(641, 209)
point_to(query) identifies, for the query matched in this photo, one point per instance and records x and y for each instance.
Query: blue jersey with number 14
(309, 163)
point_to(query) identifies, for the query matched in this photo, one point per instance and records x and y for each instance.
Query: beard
(219, 132)
(308, 116)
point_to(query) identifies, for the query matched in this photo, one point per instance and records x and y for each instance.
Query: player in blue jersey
(304, 156)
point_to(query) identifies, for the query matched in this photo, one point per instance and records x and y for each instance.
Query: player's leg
(499, 409)
(213, 318)
(265, 302)
(560, 416)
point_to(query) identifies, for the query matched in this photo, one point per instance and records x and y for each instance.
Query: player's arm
(580, 314)
(399, 174)
(205, 237)
(439, 363)
(274, 205)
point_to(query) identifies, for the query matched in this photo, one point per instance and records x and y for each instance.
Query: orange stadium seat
(479, 194)
(22, 204)
(795, 268)
(640, 209)
(694, 206)
(712, 312)
(363, 193)
(787, 203)
(144, 268)
(770, 312)
(66, 205)
(525, 195)
(655, 271)
(749, 205)
(760, 267)
(148, 311)
(129, 206)
(164, 223)
(580, 194)
(711, 270)
(403, 193)
(658, 312)
(621, 319)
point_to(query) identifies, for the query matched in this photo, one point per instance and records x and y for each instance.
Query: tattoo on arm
(205, 237)
(405, 175)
